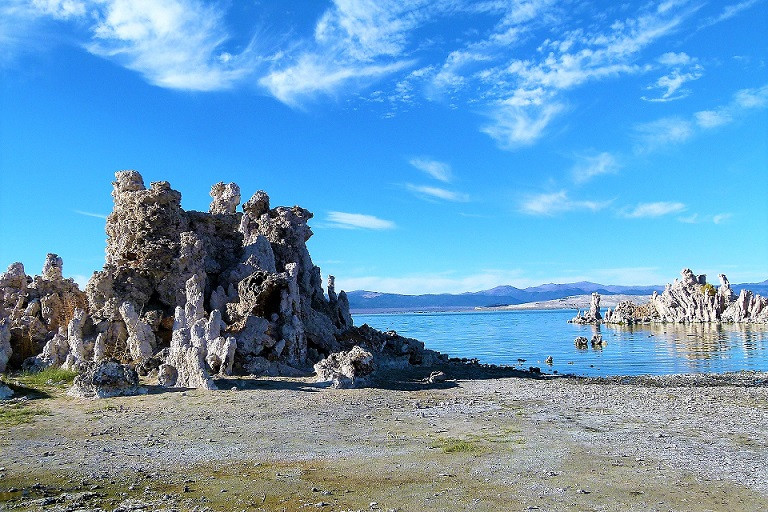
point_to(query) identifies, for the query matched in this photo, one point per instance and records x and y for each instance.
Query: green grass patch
(18, 414)
(451, 445)
(49, 377)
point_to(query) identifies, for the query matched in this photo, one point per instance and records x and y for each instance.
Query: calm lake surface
(503, 337)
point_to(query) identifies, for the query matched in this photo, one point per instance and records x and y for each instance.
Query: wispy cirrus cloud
(513, 125)
(728, 12)
(358, 221)
(662, 132)
(90, 214)
(550, 204)
(441, 171)
(656, 209)
(655, 134)
(428, 192)
(594, 165)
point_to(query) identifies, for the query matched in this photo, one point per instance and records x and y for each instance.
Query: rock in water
(106, 379)
(346, 369)
(593, 315)
(691, 299)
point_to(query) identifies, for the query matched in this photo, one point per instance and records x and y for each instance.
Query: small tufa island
(690, 299)
(186, 295)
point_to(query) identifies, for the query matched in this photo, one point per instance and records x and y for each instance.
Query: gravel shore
(488, 439)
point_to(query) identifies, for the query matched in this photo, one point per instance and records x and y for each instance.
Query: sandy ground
(491, 439)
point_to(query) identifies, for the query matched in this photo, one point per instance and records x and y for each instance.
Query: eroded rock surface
(34, 309)
(191, 295)
(692, 299)
(106, 379)
(592, 316)
(346, 369)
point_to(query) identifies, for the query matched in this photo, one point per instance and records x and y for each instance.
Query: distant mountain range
(361, 300)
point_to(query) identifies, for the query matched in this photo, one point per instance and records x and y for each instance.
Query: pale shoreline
(574, 302)
(488, 439)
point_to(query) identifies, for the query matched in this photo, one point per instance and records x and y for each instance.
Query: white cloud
(358, 221)
(672, 59)
(712, 118)
(671, 85)
(313, 75)
(557, 202)
(513, 125)
(653, 135)
(439, 170)
(751, 98)
(60, 9)
(729, 11)
(436, 193)
(657, 209)
(176, 44)
(664, 131)
(89, 214)
(721, 218)
(591, 166)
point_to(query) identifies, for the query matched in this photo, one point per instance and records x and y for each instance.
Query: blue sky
(443, 145)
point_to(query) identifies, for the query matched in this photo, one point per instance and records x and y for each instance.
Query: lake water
(503, 337)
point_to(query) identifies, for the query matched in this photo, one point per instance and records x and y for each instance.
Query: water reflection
(698, 340)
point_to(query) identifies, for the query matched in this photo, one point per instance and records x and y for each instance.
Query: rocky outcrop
(34, 309)
(192, 295)
(5, 344)
(346, 369)
(5, 392)
(691, 299)
(592, 316)
(105, 379)
(628, 313)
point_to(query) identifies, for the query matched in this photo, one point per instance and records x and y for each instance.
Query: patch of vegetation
(451, 445)
(709, 289)
(49, 377)
(19, 413)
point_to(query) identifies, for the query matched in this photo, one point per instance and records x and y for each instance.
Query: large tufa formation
(191, 295)
(691, 299)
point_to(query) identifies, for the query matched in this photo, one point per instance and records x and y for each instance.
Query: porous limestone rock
(191, 294)
(105, 379)
(691, 299)
(628, 313)
(141, 340)
(581, 342)
(35, 308)
(5, 344)
(346, 369)
(226, 197)
(592, 316)
(188, 343)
